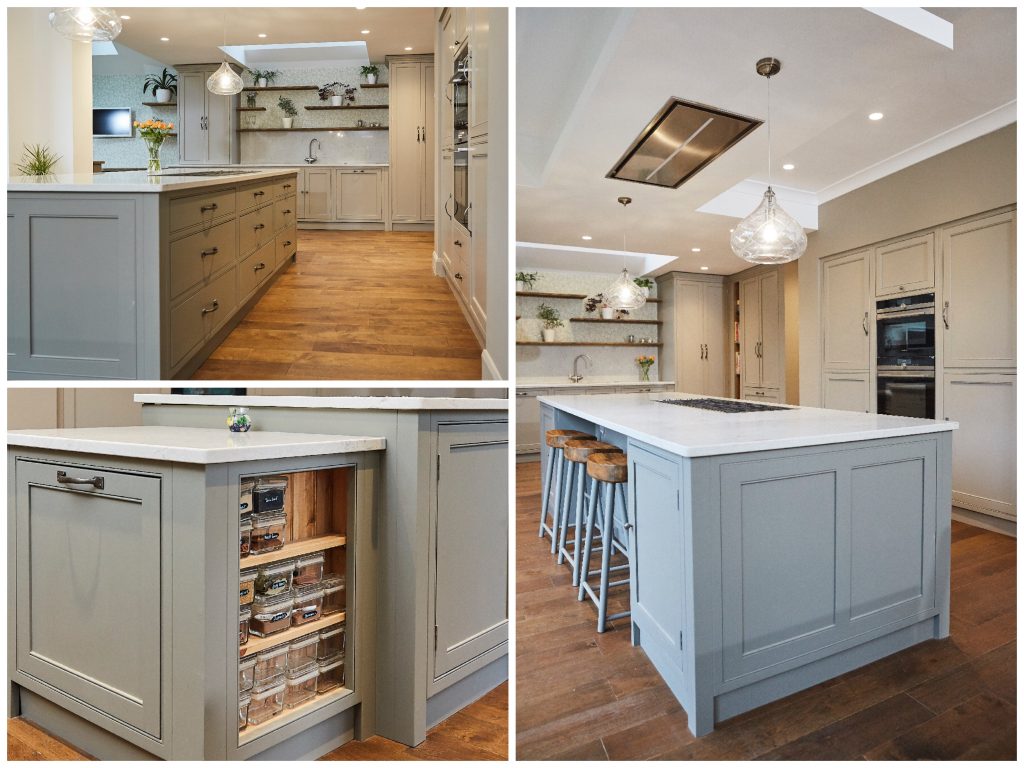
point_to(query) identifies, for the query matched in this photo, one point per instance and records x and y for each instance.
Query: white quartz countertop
(133, 181)
(297, 164)
(692, 432)
(350, 403)
(189, 444)
(559, 382)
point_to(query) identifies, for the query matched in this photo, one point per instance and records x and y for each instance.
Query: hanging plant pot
(287, 121)
(163, 95)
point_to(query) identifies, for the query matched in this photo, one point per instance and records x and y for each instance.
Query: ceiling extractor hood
(680, 140)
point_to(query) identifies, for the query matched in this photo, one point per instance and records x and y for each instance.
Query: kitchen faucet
(312, 158)
(576, 378)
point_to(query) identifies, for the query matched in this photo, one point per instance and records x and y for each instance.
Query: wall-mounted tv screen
(112, 122)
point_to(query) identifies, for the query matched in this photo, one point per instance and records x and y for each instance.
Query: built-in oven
(906, 356)
(460, 185)
(907, 393)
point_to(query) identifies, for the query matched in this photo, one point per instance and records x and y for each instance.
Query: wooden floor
(586, 696)
(478, 732)
(355, 305)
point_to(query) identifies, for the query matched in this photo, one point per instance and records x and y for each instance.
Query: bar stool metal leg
(559, 471)
(546, 492)
(563, 518)
(606, 556)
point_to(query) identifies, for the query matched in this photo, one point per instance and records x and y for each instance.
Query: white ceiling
(589, 80)
(196, 34)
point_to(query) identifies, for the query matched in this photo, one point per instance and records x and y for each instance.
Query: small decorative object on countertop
(645, 362)
(153, 132)
(239, 419)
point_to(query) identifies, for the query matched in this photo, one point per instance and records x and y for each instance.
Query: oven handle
(907, 374)
(885, 314)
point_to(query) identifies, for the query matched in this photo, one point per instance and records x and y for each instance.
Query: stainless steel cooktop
(724, 406)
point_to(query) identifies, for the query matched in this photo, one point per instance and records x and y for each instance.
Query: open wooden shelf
(352, 106)
(294, 549)
(283, 88)
(320, 128)
(159, 103)
(586, 344)
(603, 320)
(250, 109)
(257, 644)
(373, 85)
(253, 732)
(543, 295)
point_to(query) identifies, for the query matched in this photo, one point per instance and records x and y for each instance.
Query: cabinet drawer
(196, 257)
(764, 394)
(77, 592)
(199, 316)
(185, 212)
(284, 213)
(253, 195)
(286, 188)
(256, 268)
(908, 265)
(286, 244)
(255, 229)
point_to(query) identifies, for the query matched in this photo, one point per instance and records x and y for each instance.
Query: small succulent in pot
(162, 86)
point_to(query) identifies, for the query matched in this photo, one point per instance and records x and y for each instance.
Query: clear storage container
(244, 614)
(268, 494)
(244, 533)
(270, 615)
(275, 579)
(245, 496)
(270, 664)
(268, 532)
(246, 586)
(302, 652)
(243, 710)
(309, 569)
(332, 673)
(307, 604)
(333, 586)
(266, 702)
(301, 686)
(246, 673)
(331, 642)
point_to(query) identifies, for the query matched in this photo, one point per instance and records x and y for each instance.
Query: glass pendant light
(85, 24)
(624, 293)
(769, 235)
(225, 81)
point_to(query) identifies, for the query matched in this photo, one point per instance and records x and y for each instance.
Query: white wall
(49, 97)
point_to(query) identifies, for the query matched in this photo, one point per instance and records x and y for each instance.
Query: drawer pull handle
(212, 308)
(259, 266)
(210, 207)
(211, 252)
(289, 210)
(260, 193)
(95, 482)
(287, 186)
(458, 275)
(945, 314)
(287, 242)
(458, 243)
(260, 226)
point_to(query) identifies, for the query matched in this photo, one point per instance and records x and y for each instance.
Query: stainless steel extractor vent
(681, 139)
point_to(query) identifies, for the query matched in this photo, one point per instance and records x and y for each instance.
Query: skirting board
(343, 226)
(459, 695)
(399, 226)
(988, 522)
(489, 369)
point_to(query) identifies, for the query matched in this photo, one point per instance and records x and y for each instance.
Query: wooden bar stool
(555, 439)
(610, 473)
(575, 453)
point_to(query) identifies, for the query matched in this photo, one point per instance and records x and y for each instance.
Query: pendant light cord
(769, 130)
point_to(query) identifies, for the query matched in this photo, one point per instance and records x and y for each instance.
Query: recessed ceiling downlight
(679, 141)
(875, 116)
(586, 237)
(788, 166)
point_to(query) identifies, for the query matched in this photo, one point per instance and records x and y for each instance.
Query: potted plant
(261, 78)
(597, 301)
(551, 319)
(37, 160)
(644, 283)
(163, 86)
(250, 99)
(526, 280)
(370, 72)
(338, 93)
(286, 106)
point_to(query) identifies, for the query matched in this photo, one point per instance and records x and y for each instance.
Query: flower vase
(153, 152)
(645, 374)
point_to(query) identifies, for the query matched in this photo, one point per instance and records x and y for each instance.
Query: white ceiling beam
(919, 21)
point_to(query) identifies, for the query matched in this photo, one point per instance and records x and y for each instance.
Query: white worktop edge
(191, 445)
(561, 383)
(132, 181)
(385, 403)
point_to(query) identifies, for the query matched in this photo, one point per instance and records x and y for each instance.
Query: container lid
(330, 586)
(247, 663)
(327, 634)
(247, 575)
(303, 642)
(332, 662)
(271, 603)
(245, 524)
(244, 614)
(285, 566)
(313, 559)
(272, 653)
(308, 592)
(268, 689)
(296, 676)
(271, 482)
(269, 518)
(244, 699)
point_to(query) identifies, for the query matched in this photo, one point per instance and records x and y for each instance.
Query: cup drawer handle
(95, 482)
(210, 207)
(212, 308)
(260, 226)
(211, 252)
(259, 266)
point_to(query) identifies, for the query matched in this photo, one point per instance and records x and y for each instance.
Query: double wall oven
(459, 85)
(906, 356)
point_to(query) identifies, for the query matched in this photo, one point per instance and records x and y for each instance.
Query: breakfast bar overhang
(776, 549)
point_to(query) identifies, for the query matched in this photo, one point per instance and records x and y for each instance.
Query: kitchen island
(775, 549)
(137, 276)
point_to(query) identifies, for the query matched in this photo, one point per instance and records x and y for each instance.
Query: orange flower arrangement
(153, 129)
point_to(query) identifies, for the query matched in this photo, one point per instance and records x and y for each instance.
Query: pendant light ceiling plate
(625, 200)
(768, 66)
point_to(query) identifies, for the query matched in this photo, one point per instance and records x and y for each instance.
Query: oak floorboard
(588, 696)
(353, 306)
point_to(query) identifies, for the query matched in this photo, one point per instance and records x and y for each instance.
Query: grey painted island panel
(760, 573)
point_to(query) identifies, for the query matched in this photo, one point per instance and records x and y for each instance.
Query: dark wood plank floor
(355, 305)
(586, 696)
(478, 732)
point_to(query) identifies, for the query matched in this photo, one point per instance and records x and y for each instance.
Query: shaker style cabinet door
(846, 311)
(470, 547)
(88, 575)
(906, 266)
(847, 392)
(407, 176)
(319, 204)
(359, 195)
(193, 137)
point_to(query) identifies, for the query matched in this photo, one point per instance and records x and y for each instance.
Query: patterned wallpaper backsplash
(126, 91)
(338, 147)
(608, 363)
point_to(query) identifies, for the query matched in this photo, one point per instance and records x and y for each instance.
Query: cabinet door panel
(479, 52)
(528, 420)
(984, 447)
(319, 194)
(908, 265)
(220, 133)
(428, 145)
(478, 242)
(689, 337)
(750, 331)
(771, 331)
(847, 392)
(406, 150)
(358, 197)
(845, 308)
(980, 271)
(471, 543)
(193, 138)
(714, 359)
(79, 590)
